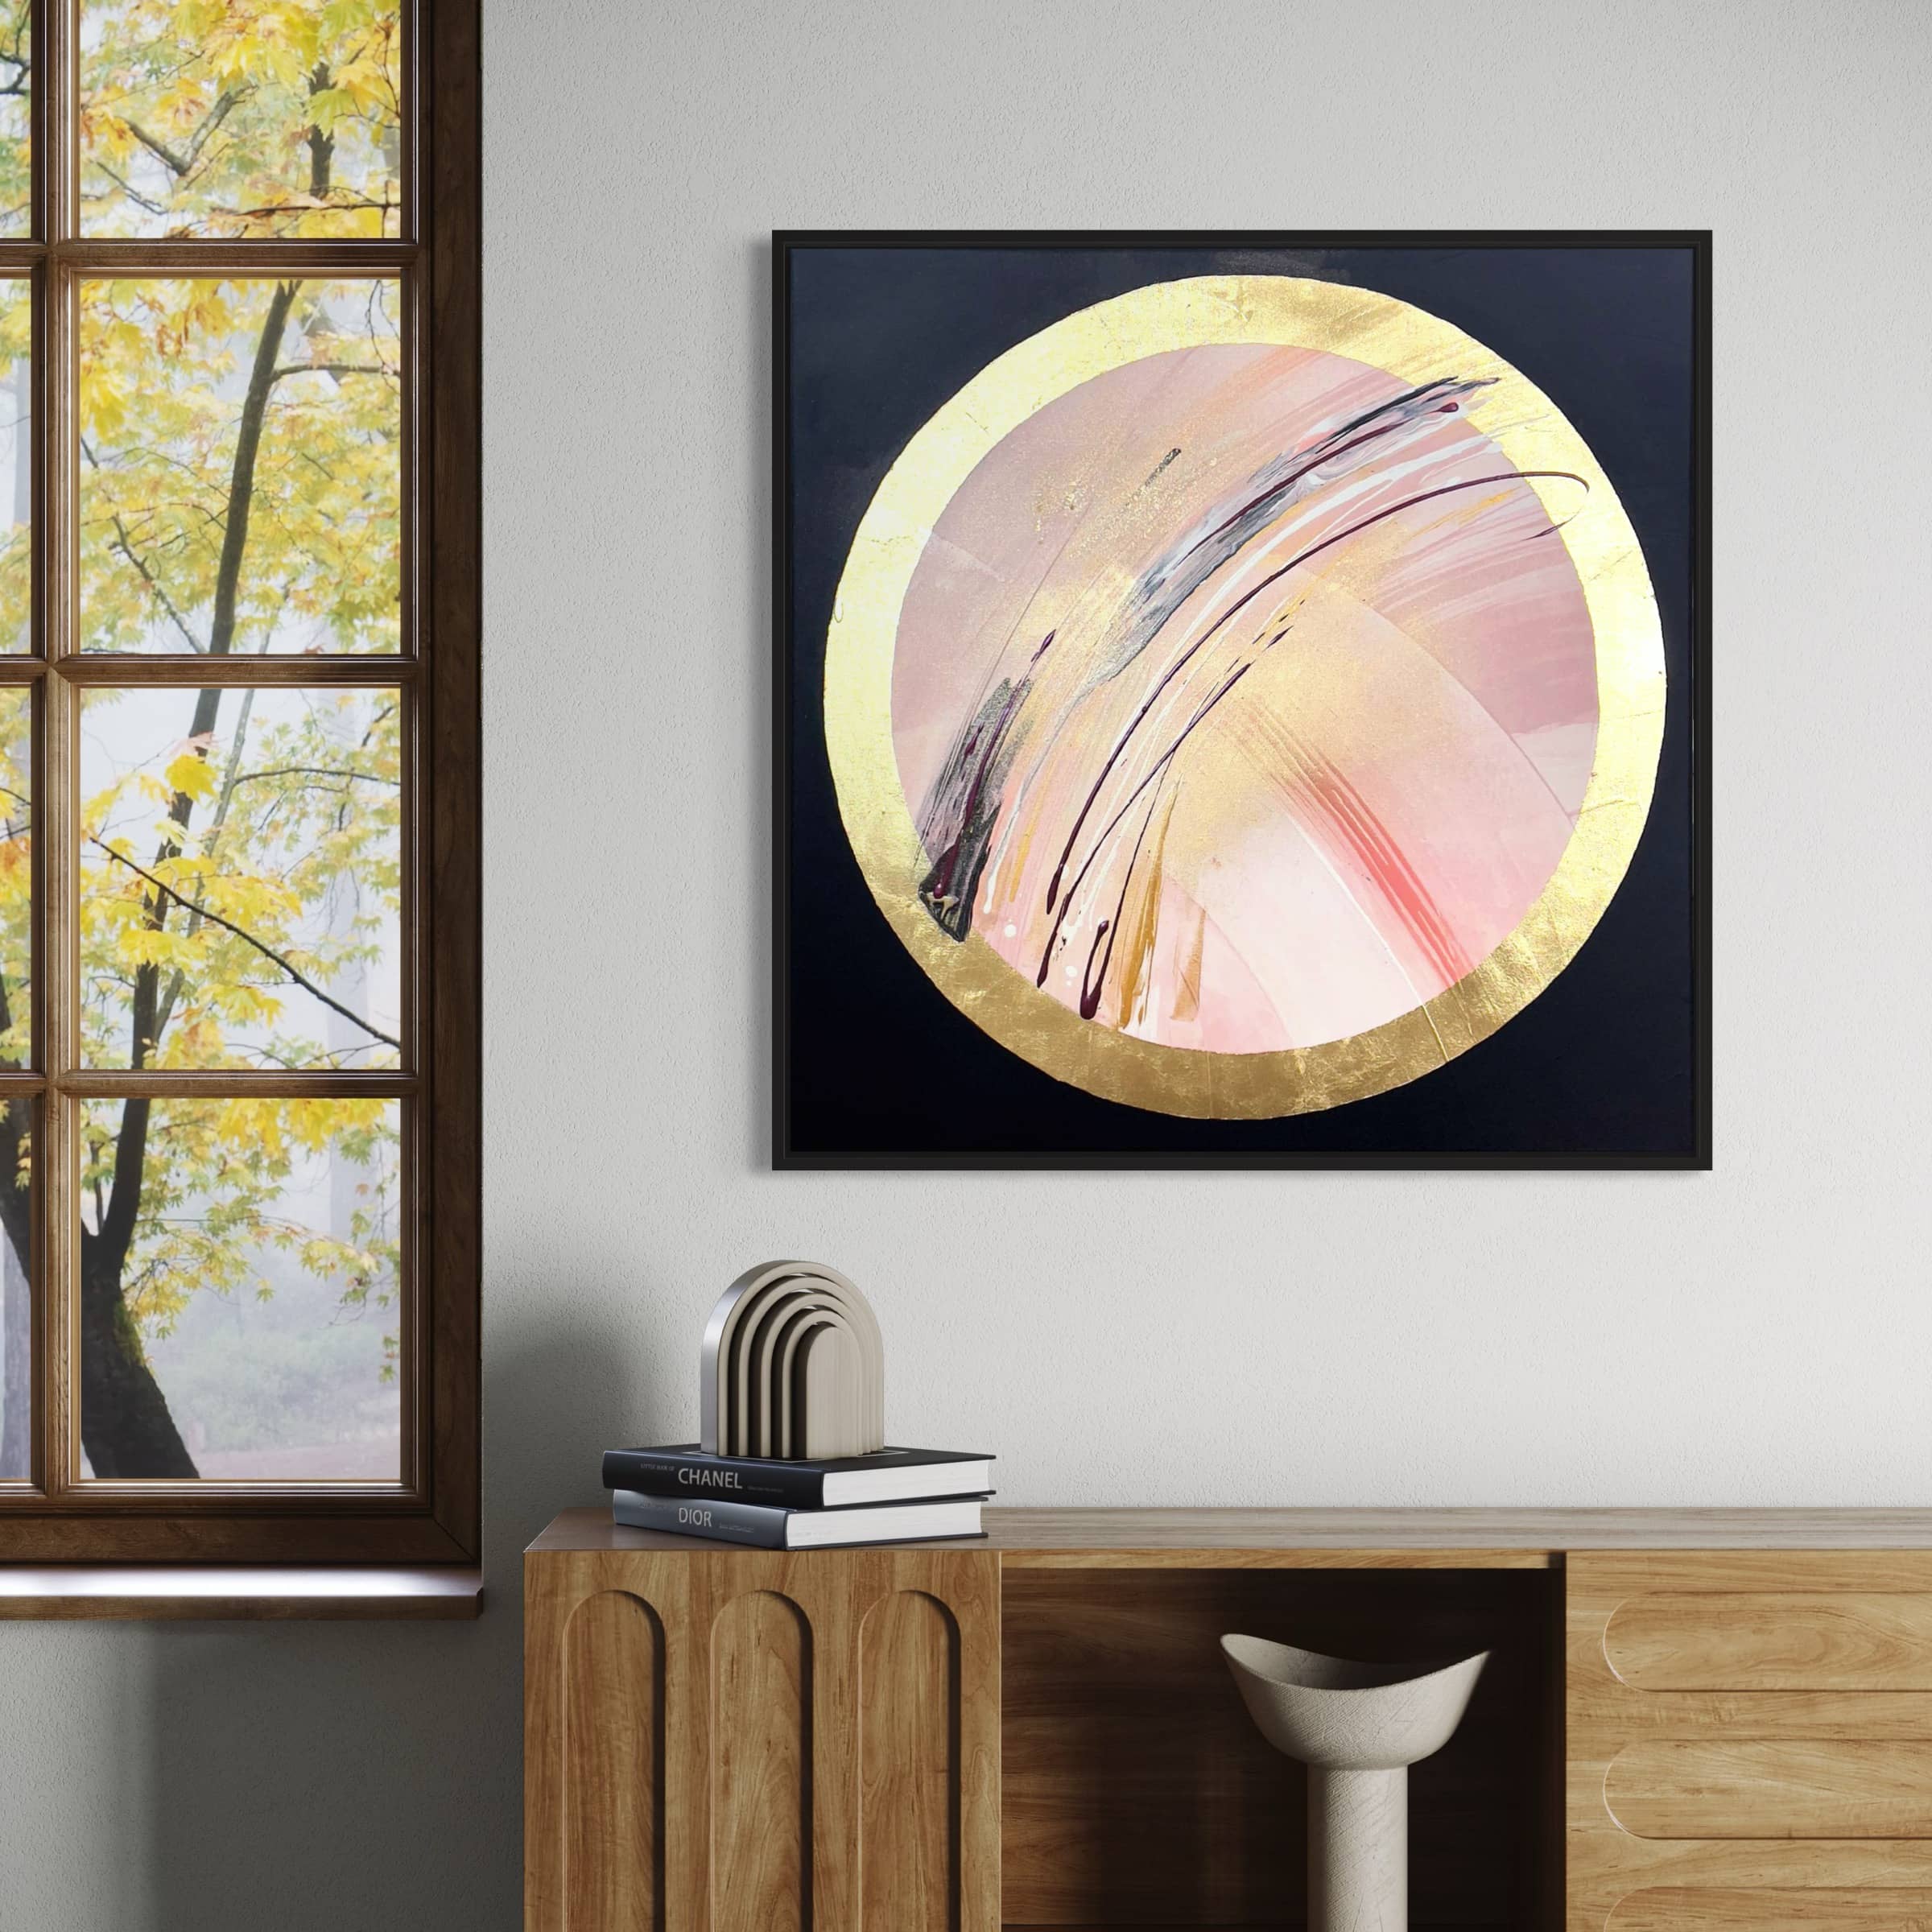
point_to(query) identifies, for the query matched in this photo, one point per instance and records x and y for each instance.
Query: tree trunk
(16, 1297)
(17, 1385)
(16, 1293)
(125, 1427)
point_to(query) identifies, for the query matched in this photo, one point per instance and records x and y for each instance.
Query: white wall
(1758, 1336)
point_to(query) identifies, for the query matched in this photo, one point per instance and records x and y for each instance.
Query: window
(238, 780)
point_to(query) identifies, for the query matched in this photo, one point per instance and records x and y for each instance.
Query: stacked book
(895, 1495)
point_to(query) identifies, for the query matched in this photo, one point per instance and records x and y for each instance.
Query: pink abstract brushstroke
(1343, 782)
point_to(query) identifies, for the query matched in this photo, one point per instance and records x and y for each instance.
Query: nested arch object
(792, 1366)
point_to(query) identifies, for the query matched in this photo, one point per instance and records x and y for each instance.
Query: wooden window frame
(433, 1516)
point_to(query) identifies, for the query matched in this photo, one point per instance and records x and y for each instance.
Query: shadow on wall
(368, 1777)
(756, 700)
(336, 1776)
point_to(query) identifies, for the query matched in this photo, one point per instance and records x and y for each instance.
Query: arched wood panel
(909, 1765)
(723, 1740)
(761, 1766)
(613, 1773)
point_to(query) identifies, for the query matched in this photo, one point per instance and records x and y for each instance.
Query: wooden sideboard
(1694, 1721)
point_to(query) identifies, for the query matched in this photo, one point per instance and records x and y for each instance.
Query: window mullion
(55, 1004)
(55, 811)
(55, 117)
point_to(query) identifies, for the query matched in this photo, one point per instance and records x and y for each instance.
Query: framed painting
(1242, 701)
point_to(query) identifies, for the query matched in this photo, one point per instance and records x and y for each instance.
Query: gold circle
(1286, 311)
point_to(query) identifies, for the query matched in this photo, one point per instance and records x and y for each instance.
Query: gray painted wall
(1758, 1336)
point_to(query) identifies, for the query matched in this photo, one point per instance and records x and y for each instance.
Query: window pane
(16, 1304)
(16, 876)
(16, 1048)
(16, 461)
(16, 94)
(247, 1323)
(240, 477)
(240, 885)
(240, 117)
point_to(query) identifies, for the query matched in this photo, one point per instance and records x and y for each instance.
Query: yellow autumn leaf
(189, 772)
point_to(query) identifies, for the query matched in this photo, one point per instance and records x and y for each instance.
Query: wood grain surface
(1759, 1787)
(1461, 1539)
(614, 1763)
(1748, 1641)
(761, 1766)
(1741, 1736)
(1763, 1908)
(909, 1785)
(1138, 1789)
(1798, 1776)
(830, 1723)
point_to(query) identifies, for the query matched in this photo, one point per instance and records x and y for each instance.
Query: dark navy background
(873, 1061)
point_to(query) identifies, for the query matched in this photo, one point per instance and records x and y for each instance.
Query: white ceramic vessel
(1357, 1728)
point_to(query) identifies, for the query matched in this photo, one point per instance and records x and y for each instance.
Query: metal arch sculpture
(793, 1366)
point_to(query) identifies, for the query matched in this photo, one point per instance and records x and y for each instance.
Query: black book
(764, 1528)
(892, 1476)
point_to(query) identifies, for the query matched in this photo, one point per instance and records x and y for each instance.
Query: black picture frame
(874, 1069)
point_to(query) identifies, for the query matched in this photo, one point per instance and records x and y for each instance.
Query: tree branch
(316, 771)
(180, 166)
(176, 164)
(132, 193)
(123, 544)
(166, 1010)
(332, 368)
(225, 103)
(166, 892)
